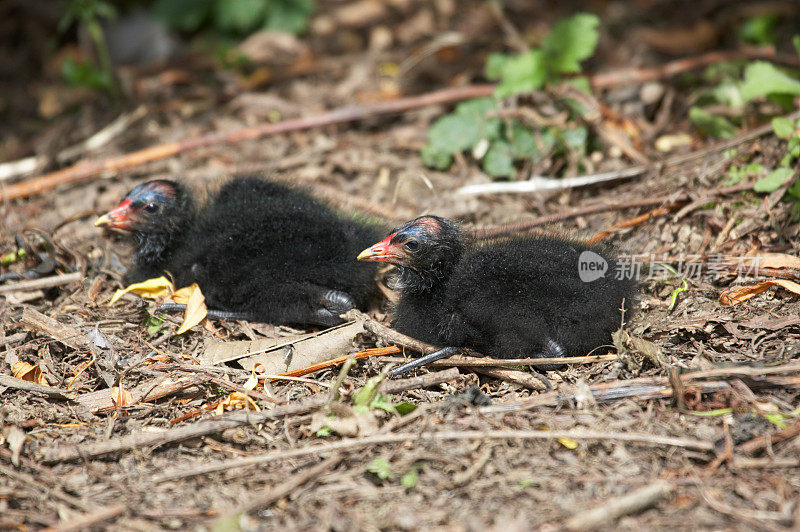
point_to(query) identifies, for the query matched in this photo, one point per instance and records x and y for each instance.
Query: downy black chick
(517, 297)
(258, 250)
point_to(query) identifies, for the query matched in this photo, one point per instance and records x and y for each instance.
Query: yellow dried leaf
(569, 443)
(235, 401)
(121, 396)
(182, 295)
(27, 372)
(252, 382)
(151, 289)
(668, 143)
(733, 296)
(195, 309)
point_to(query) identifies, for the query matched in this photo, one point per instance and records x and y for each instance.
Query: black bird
(258, 250)
(527, 296)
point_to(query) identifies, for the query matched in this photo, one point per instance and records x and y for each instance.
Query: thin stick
(485, 362)
(286, 488)
(423, 437)
(367, 353)
(613, 509)
(39, 284)
(136, 440)
(86, 170)
(85, 522)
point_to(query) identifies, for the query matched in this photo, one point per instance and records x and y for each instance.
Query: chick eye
(151, 207)
(412, 245)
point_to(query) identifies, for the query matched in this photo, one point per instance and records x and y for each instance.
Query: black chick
(508, 298)
(258, 250)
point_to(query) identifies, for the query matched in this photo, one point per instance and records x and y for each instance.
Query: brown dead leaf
(195, 307)
(773, 260)
(121, 396)
(27, 372)
(737, 295)
(236, 401)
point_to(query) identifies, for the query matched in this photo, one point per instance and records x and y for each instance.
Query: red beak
(117, 218)
(383, 251)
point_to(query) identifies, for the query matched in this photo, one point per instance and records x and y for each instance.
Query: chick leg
(427, 359)
(213, 314)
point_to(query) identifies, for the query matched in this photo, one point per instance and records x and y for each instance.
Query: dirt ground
(651, 447)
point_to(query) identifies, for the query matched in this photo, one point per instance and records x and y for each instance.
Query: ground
(459, 461)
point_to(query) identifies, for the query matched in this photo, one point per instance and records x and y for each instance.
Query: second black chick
(258, 250)
(517, 297)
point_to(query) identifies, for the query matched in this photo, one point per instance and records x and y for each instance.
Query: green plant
(89, 13)
(237, 17)
(737, 85)
(475, 126)
(790, 132)
(759, 29)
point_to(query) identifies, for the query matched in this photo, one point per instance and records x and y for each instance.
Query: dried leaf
(195, 309)
(252, 382)
(569, 443)
(743, 293)
(774, 260)
(27, 372)
(121, 396)
(235, 401)
(182, 295)
(15, 438)
(151, 289)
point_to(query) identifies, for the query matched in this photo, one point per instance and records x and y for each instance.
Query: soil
(722, 473)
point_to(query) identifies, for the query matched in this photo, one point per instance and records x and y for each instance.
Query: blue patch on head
(159, 192)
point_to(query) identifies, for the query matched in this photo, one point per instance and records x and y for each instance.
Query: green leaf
(796, 43)
(716, 126)
(154, 325)
(183, 15)
(523, 142)
(712, 413)
(239, 16)
(776, 419)
(762, 78)
(759, 29)
(571, 41)
(494, 65)
(289, 15)
(380, 467)
(576, 138)
(324, 432)
(523, 73)
(499, 160)
(404, 407)
(773, 180)
(783, 127)
(409, 480)
(673, 296)
(436, 157)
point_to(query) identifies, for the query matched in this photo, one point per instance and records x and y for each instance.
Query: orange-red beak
(383, 251)
(117, 218)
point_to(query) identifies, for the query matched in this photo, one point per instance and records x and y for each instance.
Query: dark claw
(213, 314)
(334, 304)
(427, 359)
(338, 302)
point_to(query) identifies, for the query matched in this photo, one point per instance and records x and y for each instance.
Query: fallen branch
(658, 387)
(65, 453)
(611, 510)
(86, 170)
(44, 282)
(522, 378)
(423, 437)
(27, 386)
(669, 201)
